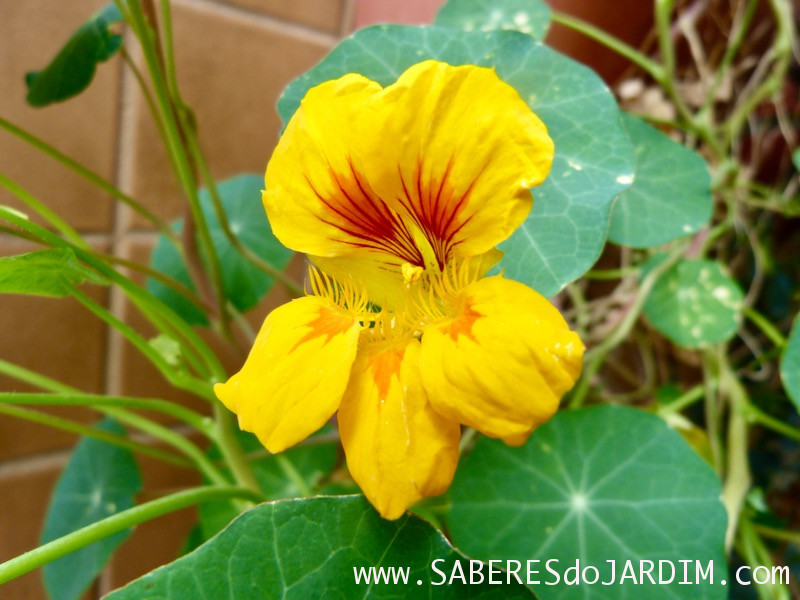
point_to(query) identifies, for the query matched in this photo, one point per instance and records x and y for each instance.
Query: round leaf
(526, 16)
(695, 303)
(244, 283)
(566, 230)
(790, 364)
(100, 480)
(671, 193)
(313, 548)
(594, 485)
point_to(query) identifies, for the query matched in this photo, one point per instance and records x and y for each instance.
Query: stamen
(345, 294)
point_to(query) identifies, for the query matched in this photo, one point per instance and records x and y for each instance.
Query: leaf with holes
(100, 480)
(566, 230)
(671, 193)
(526, 16)
(694, 303)
(54, 273)
(72, 70)
(594, 485)
(790, 364)
(244, 283)
(313, 548)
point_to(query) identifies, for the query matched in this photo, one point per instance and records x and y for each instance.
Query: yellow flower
(399, 196)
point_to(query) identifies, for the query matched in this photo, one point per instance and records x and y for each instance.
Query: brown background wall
(234, 57)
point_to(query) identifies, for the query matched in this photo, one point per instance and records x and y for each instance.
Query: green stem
(174, 140)
(767, 328)
(48, 215)
(597, 355)
(180, 380)
(119, 522)
(177, 411)
(612, 43)
(737, 472)
(681, 402)
(88, 175)
(606, 274)
(293, 474)
(232, 449)
(70, 426)
(156, 311)
(756, 414)
(792, 537)
(35, 379)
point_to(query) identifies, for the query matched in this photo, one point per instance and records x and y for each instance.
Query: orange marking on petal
(463, 324)
(384, 366)
(329, 323)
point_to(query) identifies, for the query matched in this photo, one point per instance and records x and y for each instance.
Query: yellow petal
(435, 166)
(296, 373)
(398, 448)
(502, 362)
(465, 150)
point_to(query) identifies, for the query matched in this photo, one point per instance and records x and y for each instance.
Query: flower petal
(435, 166)
(502, 362)
(398, 448)
(465, 150)
(296, 373)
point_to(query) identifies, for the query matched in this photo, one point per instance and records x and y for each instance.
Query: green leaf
(694, 303)
(566, 230)
(671, 193)
(244, 283)
(100, 480)
(790, 364)
(796, 158)
(310, 549)
(593, 485)
(72, 70)
(526, 16)
(54, 273)
(290, 474)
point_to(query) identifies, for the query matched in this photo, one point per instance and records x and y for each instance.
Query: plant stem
(114, 524)
(232, 449)
(597, 355)
(177, 411)
(612, 43)
(35, 416)
(737, 471)
(767, 328)
(88, 175)
(686, 399)
(48, 215)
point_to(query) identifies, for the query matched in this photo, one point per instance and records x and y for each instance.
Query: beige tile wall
(234, 57)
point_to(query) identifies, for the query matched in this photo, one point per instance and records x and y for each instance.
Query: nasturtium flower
(399, 196)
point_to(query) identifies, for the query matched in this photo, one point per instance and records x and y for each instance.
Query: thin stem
(597, 355)
(232, 449)
(792, 537)
(156, 311)
(48, 215)
(36, 379)
(767, 328)
(196, 420)
(609, 41)
(737, 475)
(148, 38)
(114, 524)
(62, 424)
(683, 401)
(606, 274)
(293, 474)
(181, 380)
(756, 414)
(87, 174)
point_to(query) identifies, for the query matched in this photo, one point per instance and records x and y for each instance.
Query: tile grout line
(122, 169)
(269, 22)
(348, 17)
